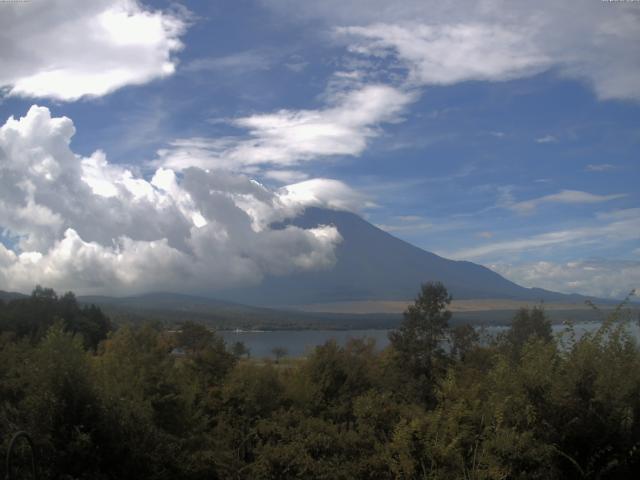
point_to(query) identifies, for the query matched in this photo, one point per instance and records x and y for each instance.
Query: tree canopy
(418, 343)
(132, 408)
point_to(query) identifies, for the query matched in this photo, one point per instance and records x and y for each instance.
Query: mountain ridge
(373, 264)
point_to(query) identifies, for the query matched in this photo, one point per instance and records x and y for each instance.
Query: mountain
(371, 265)
(374, 265)
(8, 296)
(166, 301)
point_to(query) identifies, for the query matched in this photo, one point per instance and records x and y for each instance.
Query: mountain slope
(8, 296)
(373, 264)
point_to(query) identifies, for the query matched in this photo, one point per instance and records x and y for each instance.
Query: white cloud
(448, 54)
(236, 63)
(546, 139)
(492, 39)
(599, 167)
(288, 137)
(600, 278)
(68, 49)
(95, 227)
(324, 193)
(407, 227)
(286, 176)
(574, 197)
(621, 214)
(412, 224)
(623, 225)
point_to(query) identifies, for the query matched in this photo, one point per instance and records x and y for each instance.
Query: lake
(300, 342)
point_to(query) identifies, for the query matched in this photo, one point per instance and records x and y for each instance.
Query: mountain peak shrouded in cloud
(82, 223)
(374, 265)
(172, 138)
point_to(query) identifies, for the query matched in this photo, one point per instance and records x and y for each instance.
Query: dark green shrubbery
(33, 316)
(524, 406)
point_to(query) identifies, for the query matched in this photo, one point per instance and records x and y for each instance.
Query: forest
(105, 401)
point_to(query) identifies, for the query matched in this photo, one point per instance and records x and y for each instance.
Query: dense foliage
(33, 316)
(154, 404)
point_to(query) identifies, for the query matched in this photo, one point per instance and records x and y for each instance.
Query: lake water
(300, 342)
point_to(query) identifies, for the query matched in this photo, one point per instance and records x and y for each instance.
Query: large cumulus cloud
(68, 49)
(83, 223)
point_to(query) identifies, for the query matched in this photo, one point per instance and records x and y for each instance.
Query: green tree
(31, 317)
(207, 354)
(279, 353)
(148, 412)
(526, 324)
(194, 337)
(333, 376)
(60, 406)
(463, 339)
(239, 349)
(417, 344)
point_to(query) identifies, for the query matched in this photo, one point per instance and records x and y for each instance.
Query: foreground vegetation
(116, 404)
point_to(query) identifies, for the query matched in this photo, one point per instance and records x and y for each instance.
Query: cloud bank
(599, 278)
(85, 224)
(611, 228)
(493, 40)
(288, 138)
(68, 49)
(448, 54)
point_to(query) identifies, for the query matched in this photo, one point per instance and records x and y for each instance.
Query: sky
(149, 146)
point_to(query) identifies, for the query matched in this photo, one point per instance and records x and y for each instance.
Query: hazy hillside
(172, 309)
(6, 296)
(175, 308)
(373, 264)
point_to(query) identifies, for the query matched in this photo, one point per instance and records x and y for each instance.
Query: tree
(279, 353)
(45, 294)
(527, 324)
(418, 342)
(239, 349)
(32, 317)
(206, 351)
(194, 337)
(60, 405)
(463, 339)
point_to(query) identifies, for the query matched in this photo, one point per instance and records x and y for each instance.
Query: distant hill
(6, 296)
(174, 308)
(374, 265)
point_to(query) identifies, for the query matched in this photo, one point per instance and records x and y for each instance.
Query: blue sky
(507, 134)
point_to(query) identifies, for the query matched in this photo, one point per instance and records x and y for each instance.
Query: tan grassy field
(398, 306)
